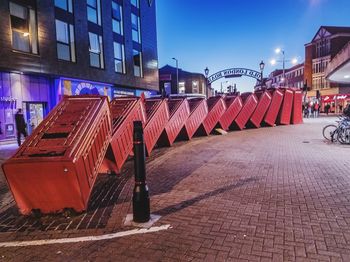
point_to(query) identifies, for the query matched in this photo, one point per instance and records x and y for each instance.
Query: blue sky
(240, 33)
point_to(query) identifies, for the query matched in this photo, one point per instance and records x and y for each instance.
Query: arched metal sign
(234, 72)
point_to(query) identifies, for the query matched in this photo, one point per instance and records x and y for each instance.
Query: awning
(332, 98)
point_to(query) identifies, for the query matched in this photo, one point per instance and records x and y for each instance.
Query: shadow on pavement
(177, 207)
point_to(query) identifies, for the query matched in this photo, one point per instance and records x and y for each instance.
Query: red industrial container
(216, 108)
(198, 112)
(234, 105)
(275, 105)
(286, 108)
(179, 111)
(249, 104)
(124, 111)
(297, 114)
(157, 115)
(261, 108)
(57, 165)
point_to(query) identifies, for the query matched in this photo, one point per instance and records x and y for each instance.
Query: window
(181, 88)
(65, 5)
(195, 87)
(94, 11)
(117, 18)
(135, 3)
(135, 24)
(119, 58)
(24, 28)
(137, 63)
(65, 41)
(96, 50)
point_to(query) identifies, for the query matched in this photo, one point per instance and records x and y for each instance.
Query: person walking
(327, 107)
(20, 125)
(316, 108)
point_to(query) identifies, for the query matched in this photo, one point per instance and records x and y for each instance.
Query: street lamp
(177, 74)
(262, 66)
(206, 72)
(274, 61)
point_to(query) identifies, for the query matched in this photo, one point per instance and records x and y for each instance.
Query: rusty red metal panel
(275, 105)
(261, 108)
(250, 102)
(179, 111)
(198, 112)
(157, 115)
(297, 114)
(216, 108)
(124, 111)
(286, 108)
(57, 165)
(234, 105)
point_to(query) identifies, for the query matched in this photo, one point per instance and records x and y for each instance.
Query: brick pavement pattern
(269, 194)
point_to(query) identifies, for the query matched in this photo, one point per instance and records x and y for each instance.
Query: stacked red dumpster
(275, 105)
(198, 112)
(124, 111)
(261, 108)
(157, 114)
(249, 104)
(297, 114)
(286, 108)
(179, 111)
(234, 105)
(57, 165)
(216, 108)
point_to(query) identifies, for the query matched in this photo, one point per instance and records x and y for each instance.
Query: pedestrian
(327, 107)
(309, 108)
(316, 108)
(20, 126)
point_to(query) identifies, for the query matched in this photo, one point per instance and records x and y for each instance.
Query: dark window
(135, 24)
(65, 41)
(117, 18)
(135, 3)
(94, 11)
(96, 50)
(119, 58)
(137, 63)
(65, 5)
(24, 28)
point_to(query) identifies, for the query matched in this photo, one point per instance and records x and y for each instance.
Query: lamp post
(206, 72)
(177, 74)
(274, 61)
(262, 66)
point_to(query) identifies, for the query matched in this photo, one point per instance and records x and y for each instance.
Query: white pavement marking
(83, 239)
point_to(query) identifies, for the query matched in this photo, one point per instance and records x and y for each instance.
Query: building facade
(319, 53)
(69, 47)
(189, 83)
(294, 77)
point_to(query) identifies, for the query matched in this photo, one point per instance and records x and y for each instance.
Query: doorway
(35, 112)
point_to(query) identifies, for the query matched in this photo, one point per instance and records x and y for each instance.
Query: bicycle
(340, 133)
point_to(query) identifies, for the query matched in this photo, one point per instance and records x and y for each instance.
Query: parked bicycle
(340, 132)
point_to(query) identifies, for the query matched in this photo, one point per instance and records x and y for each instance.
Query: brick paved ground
(265, 194)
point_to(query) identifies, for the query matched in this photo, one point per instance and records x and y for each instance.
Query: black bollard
(140, 198)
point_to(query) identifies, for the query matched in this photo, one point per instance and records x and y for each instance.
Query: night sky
(230, 33)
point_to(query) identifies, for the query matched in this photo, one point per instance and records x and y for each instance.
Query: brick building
(67, 47)
(319, 53)
(189, 83)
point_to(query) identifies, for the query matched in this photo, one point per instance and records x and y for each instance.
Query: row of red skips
(83, 136)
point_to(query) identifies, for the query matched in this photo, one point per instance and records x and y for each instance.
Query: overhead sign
(334, 97)
(234, 72)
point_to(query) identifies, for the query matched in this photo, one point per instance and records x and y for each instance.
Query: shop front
(335, 103)
(33, 94)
